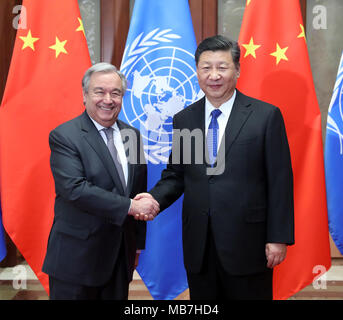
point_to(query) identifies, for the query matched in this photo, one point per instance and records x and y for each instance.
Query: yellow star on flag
(280, 53)
(251, 48)
(80, 27)
(29, 41)
(248, 2)
(59, 47)
(302, 33)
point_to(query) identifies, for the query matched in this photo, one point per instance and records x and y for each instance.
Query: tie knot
(109, 133)
(216, 113)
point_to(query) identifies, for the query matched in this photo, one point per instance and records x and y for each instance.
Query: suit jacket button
(211, 180)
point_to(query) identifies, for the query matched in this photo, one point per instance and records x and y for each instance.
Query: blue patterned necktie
(212, 136)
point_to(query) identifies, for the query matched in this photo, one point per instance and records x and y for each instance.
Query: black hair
(217, 43)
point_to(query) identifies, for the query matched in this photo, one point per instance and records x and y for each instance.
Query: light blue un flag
(159, 64)
(334, 161)
(2, 239)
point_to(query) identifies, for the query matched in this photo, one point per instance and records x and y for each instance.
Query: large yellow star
(59, 47)
(80, 27)
(29, 41)
(302, 33)
(248, 2)
(251, 48)
(280, 53)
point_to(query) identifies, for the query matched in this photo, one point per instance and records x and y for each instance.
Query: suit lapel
(130, 166)
(240, 113)
(198, 122)
(95, 140)
(198, 116)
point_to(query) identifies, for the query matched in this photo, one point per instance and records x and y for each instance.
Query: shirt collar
(100, 127)
(225, 108)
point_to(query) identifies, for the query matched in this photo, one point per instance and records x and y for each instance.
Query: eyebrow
(101, 88)
(210, 62)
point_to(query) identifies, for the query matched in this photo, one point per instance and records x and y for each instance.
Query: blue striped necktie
(212, 136)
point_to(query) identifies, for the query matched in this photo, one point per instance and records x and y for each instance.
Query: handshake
(144, 207)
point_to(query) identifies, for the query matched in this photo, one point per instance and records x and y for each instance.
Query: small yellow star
(251, 48)
(29, 41)
(59, 47)
(302, 33)
(80, 27)
(280, 54)
(248, 2)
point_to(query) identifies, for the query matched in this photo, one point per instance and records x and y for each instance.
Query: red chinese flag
(43, 90)
(275, 68)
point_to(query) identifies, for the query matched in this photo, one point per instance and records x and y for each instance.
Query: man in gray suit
(94, 241)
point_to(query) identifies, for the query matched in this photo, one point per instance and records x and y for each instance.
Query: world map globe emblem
(335, 112)
(161, 82)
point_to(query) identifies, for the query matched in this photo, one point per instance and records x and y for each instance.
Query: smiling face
(217, 76)
(103, 100)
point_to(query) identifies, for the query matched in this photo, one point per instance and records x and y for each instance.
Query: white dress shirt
(118, 142)
(222, 119)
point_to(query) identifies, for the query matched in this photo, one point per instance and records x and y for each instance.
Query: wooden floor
(12, 289)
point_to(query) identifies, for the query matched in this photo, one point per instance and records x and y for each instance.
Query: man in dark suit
(93, 243)
(238, 200)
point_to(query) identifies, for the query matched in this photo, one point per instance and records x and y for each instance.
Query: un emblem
(335, 112)
(161, 82)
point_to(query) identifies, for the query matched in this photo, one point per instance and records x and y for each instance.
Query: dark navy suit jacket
(249, 194)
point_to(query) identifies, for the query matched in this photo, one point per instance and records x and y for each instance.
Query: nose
(107, 98)
(214, 74)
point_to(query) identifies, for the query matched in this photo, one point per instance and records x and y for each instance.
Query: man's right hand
(144, 207)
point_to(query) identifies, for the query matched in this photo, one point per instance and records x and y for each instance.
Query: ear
(84, 97)
(238, 72)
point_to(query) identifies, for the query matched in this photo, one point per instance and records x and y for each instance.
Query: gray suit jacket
(91, 221)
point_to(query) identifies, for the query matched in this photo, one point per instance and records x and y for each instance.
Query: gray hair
(103, 67)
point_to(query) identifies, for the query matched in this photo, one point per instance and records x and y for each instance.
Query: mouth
(214, 86)
(108, 108)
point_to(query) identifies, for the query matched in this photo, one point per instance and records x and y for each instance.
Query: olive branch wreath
(140, 45)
